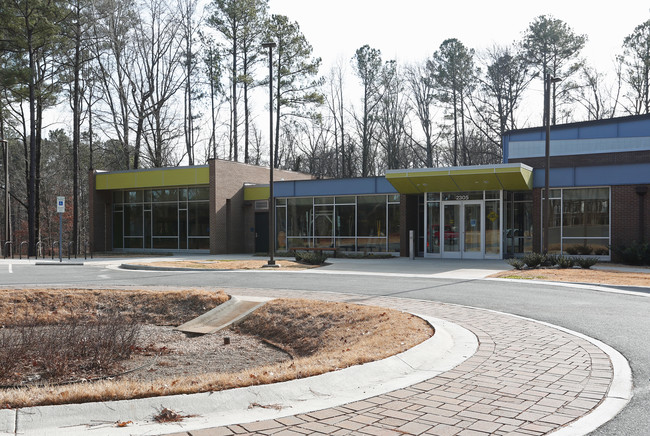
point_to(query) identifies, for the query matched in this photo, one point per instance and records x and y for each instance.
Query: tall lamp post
(548, 80)
(5, 164)
(271, 262)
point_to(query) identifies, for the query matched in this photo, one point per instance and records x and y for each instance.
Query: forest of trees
(153, 83)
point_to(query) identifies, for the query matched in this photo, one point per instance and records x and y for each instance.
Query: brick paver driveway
(526, 378)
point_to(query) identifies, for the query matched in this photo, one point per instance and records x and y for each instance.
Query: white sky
(411, 30)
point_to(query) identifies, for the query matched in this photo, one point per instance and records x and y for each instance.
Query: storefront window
(300, 217)
(579, 221)
(350, 223)
(175, 218)
(371, 215)
(344, 221)
(199, 219)
(165, 219)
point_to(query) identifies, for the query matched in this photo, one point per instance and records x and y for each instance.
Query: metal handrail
(6, 251)
(20, 250)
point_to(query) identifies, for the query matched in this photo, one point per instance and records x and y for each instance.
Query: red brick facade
(627, 215)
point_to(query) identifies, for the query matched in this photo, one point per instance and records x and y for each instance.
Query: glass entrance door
(461, 233)
(472, 230)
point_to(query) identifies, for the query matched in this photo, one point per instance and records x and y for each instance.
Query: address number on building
(462, 197)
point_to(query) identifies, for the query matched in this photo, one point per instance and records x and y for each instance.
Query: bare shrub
(74, 349)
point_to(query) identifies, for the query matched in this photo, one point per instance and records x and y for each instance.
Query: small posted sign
(60, 204)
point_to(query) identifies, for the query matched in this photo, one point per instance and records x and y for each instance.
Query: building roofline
(580, 124)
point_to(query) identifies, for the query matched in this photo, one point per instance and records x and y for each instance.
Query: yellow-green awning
(153, 178)
(510, 177)
(256, 192)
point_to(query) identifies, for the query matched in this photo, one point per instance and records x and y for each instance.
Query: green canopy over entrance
(510, 177)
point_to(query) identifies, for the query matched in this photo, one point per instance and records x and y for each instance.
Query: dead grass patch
(594, 276)
(229, 264)
(322, 337)
(51, 306)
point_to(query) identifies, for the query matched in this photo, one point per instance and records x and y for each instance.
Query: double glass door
(462, 229)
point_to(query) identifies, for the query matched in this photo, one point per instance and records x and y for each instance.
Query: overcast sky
(411, 30)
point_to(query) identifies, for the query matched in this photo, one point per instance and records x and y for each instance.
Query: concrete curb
(451, 345)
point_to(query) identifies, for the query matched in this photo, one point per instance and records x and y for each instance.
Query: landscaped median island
(62, 346)
(574, 275)
(226, 264)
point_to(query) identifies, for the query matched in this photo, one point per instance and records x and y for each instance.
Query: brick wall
(100, 217)
(230, 217)
(626, 217)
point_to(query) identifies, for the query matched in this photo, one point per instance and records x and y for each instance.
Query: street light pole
(271, 262)
(548, 80)
(5, 164)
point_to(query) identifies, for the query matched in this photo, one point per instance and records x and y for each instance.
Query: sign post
(60, 209)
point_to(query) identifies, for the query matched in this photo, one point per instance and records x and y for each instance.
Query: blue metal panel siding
(634, 128)
(613, 175)
(527, 135)
(563, 134)
(595, 176)
(327, 187)
(599, 131)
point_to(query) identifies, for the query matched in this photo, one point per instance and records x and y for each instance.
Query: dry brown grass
(322, 336)
(49, 306)
(229, 264)
(593, 276)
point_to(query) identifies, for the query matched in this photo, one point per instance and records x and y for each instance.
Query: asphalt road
(621, 320)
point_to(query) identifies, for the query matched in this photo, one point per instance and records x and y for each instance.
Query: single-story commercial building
(599, 177)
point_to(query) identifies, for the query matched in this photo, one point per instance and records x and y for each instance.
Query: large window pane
(165, 220)
(586, 212)
(133, 220)
(345, 218)
(393, 227)
(371, 216)
(324, 220)
(299, 217)
(199, 219)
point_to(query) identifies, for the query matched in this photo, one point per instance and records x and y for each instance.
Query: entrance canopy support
(510, 177)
